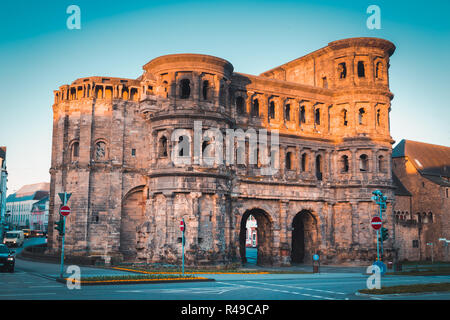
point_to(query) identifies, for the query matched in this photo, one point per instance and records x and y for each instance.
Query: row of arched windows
(361, 70)
(362, 113)
(420, 217)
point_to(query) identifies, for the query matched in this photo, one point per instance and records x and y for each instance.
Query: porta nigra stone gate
(113, 143)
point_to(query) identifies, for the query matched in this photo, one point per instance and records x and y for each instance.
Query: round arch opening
(304, 237)
(264, 237)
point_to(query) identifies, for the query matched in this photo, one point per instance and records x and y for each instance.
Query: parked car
(7, 258)
(14, 238)
(26, 232)
(37, 233)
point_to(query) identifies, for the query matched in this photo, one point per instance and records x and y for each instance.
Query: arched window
(183, 146)
(361, 72)
(363, 163)
(342, 70)
(379, 70)
(378, 117)
(380, 164)
(240, 105)
(255, 108)
(166, 88)
(289, 158)
(272, 110)
(344, 117)
(185, 89)
(100, 150)
(304, 162)
(287, 112)
(319, 167)
(361, 115)
(205, 89)
(317, 116)
(75, 152)
(430, 217)
(163, 147)
(345, 164)
(302, 115)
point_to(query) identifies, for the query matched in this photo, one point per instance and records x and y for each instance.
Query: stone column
(285, 245)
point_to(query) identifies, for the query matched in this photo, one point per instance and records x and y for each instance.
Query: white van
(14, 238)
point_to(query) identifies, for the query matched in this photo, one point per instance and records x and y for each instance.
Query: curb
(174, 272)
(137, 281)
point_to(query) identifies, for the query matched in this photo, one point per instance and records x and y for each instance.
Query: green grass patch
(412, 288)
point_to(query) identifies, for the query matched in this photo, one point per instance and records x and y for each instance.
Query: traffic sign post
(381, 201)
(63, 211)
(376, 224)
(182, 228)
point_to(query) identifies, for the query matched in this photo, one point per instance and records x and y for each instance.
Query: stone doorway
(132, 216)
(264, 236)
(304, 237)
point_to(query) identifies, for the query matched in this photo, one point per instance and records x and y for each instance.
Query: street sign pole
(61, 273)
(182, 247)
(378, 246)
(64, 196)
(381, 217)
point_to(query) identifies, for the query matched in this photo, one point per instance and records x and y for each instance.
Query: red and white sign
(376, 223)
(182, 225)
(64, 211)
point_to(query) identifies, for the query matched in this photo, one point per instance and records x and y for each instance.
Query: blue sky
(38, 54)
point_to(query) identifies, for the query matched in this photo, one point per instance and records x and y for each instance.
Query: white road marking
(276, 290)
(44, 287)
(293, 287)
(128, 291)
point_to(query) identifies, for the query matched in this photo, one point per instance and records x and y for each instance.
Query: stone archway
(132, 216)
(304, 237)
(264, 236)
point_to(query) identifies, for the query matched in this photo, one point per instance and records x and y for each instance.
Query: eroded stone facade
(112, 149)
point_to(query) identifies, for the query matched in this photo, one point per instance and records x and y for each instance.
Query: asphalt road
(36, 281)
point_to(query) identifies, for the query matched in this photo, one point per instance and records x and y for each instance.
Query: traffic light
(59, 225)
(384, 234)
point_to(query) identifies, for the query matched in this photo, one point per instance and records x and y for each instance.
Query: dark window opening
(361, 115)
(289, 161)
(272, 110)
(345, 164)
(185, 89)
(363, 163)
(324, 82)
(319, 167)
(163, 147)
(287, 112)
(75, 150)
(361, 72)
(381, 164)
(415, 243)
(302, 115)
(304, 162)
(183, 146)
(317, 116)
(133, 152)
(378, 116)
(342, 69)
(255, 109)
(240, 105)
(205, 89)
(344, 117)
(378, 70)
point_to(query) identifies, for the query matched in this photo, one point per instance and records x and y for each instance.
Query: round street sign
(182, 225)
(64, 211)
(376, 223)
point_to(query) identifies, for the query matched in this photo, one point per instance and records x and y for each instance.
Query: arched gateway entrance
(264, 235)
(132, 216)
(304, 237)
